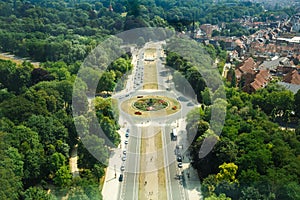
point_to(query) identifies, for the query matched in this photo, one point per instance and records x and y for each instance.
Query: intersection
(150, 168)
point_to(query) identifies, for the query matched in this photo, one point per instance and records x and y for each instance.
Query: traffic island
(150, 106)
(152, 183)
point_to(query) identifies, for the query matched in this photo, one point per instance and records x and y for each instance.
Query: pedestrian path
(191, 182)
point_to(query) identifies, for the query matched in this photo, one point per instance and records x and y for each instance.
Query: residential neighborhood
(271, 53)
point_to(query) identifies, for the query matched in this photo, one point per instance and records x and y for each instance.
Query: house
(292, 77)
(208, 29)
(250, 77)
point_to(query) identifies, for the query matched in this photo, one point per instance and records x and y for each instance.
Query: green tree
(27, 142)
(35, 193)
(215, 197)
(63, 176)
(107, 82)
(250, 193)
(297, 103)
(11, 170)
(56, 161)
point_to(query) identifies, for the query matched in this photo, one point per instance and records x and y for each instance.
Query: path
(17, 60)
(73, 162)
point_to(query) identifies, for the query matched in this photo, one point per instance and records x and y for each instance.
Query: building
(250, 77)
(292, 77)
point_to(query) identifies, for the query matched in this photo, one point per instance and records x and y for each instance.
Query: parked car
(126, 142)
(180, 165)
(127, 135)
(124, 152)
(179, 158)
(123, 158)
(121, 177)
(122, 168)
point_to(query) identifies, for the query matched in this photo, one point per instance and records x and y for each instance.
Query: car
(179, 158)
(121, 178)
(124, 152)
(127, 135)
(180, 165)
(122, 168)
(123, 158)
(126, 142)
(127, 130)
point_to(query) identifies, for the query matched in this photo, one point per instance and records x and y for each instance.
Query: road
(129, 187)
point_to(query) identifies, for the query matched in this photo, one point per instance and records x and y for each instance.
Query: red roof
(248, 66)
(292, 77)
(261, 79)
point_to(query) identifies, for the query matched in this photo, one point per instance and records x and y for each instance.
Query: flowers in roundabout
(150, 104)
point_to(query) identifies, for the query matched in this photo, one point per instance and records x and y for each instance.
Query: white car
(122, 168)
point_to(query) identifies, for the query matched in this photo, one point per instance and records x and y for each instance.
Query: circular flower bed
(150, 104)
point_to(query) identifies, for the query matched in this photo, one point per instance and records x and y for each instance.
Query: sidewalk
(111, 187)
(191, 183)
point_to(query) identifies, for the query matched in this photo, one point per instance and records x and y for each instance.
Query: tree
(290, 190)
(90, 77)
(206, 97)
(297, 103)
(11, 170)
(56, 161)
(63, 176)
(107, 82)
(110, 130)
(250, 193)
(40, 74)
(215, 197)
(227, 172)
(27, 142)
(50, 129)
(34, 193)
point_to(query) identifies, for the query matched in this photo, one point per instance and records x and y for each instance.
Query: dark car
(121, 177)
(127, 135)
(179, 158)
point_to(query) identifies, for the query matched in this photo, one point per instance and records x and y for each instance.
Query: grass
(150, 71)
(162, 192)
(150, 76)
(15, 60)
(142, 166)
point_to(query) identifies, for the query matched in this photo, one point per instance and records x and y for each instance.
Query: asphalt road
(129, 187)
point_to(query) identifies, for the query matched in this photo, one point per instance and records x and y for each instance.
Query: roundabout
(150, 106)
